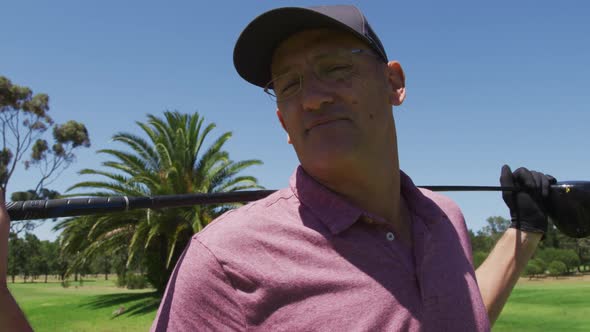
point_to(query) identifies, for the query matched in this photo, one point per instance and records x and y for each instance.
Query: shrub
(557, 268)
(567, 256)
(65, 283)
(570, 258)
(121, 281)
(132, 281)
(541, 263)
(533, 268)
(136, 281)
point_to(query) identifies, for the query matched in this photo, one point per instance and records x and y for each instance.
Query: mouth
(323, 122)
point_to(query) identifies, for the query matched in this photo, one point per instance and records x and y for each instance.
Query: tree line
(557, 254)
(34, 260)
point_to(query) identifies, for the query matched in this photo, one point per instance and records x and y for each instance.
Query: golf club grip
(55, 208)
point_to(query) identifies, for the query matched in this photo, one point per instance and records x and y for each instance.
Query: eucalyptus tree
(173, 159)
(24, 120)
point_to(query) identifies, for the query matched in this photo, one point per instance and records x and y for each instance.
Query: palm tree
(173, 160)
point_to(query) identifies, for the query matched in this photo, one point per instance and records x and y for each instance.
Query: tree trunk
(46, 278)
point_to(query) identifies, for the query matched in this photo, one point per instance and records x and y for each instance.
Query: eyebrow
(320, 39)
(283, 70)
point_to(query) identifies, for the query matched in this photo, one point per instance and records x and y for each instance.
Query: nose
(315, 93)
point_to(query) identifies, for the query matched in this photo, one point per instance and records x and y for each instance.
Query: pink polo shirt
(305, 259)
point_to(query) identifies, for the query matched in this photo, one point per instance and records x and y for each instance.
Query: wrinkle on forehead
(292, 49)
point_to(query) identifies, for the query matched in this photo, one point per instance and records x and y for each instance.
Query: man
(352, 244)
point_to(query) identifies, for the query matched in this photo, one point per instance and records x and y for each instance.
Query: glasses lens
(335, 67)
(284, 86)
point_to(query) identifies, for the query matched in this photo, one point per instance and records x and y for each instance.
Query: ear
(397, 81)
(283, 125)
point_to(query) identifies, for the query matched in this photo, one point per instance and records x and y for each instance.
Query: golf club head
(569, 207)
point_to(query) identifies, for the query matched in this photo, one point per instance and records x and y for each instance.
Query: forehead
(298, 45)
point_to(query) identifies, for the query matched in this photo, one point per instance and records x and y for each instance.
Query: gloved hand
(528, 208)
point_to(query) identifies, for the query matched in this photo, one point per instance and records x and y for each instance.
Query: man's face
(335, 124)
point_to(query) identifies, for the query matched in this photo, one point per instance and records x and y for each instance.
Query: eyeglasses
(335, 67)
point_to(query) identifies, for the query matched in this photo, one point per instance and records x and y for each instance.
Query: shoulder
(247, 222)
(445, 204)
(449, 210)
(453, 215)
(198, 278)
(429, 204)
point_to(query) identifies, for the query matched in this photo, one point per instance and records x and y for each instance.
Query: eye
(340, 68)
(291, 85)
(286, 84)
(338, 71)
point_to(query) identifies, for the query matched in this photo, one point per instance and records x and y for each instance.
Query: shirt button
(390, 236)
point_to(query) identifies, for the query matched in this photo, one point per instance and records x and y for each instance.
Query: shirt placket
(386, 237)
(423, 237)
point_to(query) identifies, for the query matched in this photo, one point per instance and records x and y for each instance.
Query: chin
(327, 161)
(327, 152)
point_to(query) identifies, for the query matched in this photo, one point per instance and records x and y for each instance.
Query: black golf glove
(528, 208)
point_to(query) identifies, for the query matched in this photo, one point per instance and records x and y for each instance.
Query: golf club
(569, 204)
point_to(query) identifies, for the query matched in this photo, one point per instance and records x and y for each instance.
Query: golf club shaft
(69, 207)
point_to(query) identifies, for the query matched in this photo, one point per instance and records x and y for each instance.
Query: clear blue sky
(488, 82)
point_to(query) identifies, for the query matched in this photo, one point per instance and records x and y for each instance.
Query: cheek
(291, 124)
(366, 98)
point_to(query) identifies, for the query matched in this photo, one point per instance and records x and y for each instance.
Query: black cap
(255, 46)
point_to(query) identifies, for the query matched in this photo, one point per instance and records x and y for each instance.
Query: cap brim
(256, 44)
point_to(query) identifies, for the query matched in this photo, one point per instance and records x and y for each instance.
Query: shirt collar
(419, 202)
(331, 208)
(338, 214)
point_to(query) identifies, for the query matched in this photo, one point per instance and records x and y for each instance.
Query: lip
(322, 121)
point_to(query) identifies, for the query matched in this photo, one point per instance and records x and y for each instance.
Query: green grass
(542, 305)
(549, 305)
(50, 307)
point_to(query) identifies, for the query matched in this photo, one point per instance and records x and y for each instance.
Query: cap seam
(363, 26)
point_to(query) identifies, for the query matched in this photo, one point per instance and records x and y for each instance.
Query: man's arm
(498, 274)
(11, 317)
